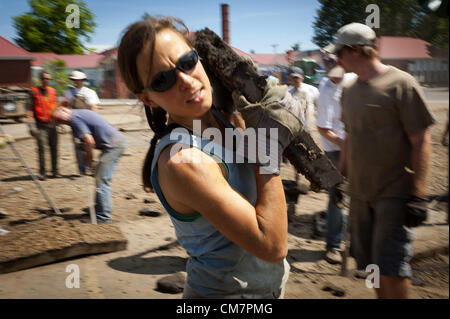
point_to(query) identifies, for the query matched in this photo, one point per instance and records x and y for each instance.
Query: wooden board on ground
(54, 239)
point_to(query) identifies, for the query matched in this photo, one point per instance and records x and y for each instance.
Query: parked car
(13, 102)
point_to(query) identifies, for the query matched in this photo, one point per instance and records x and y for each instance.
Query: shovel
(90, 202)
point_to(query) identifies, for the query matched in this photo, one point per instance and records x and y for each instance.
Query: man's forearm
(420, 161)
(331, 136)
(88, 155)
(89, 144)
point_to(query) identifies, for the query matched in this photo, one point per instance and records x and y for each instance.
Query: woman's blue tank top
(217, 267)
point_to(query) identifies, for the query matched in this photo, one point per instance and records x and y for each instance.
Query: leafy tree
(44, 28)
(397, 18)
(60, 79)
(295, 47)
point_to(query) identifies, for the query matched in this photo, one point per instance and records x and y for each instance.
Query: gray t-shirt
(89, 122)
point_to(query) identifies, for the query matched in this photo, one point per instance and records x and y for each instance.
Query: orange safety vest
(44, 105)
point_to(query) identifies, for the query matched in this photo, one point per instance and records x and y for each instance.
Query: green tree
(44, 28)
(60, 78)
(295, 46)
(397, 18)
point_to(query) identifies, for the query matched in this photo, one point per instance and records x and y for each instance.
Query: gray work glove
(275, 110)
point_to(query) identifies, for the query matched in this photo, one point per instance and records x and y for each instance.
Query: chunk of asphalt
(149, 212)
(334, 290)
(172, 284)
(130, 196)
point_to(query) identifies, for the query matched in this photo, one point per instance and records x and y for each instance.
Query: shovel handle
(90, 204)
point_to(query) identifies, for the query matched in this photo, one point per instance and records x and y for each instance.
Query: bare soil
(153, 252)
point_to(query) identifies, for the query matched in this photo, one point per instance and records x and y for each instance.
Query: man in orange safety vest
(43, 103)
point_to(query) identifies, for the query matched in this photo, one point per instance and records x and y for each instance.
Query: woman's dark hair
(135, 37)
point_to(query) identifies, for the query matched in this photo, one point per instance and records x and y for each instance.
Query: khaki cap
(336, 72)
(352, 34)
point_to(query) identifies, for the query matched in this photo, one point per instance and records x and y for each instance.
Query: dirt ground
(153, 252)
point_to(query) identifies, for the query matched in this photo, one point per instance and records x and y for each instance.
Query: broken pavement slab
(55, 239)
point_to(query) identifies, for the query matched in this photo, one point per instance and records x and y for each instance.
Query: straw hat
(77, 75)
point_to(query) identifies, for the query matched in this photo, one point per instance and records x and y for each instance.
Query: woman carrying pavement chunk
(230, 218)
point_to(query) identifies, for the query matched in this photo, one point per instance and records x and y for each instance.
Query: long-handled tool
(345, 204)
(346, 251)
(90, 202)
(33, 177)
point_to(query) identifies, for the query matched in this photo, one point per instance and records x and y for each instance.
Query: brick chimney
(225, 24)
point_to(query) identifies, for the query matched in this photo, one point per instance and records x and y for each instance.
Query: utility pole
(274, 48)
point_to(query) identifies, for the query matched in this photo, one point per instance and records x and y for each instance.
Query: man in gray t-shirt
(94, 131)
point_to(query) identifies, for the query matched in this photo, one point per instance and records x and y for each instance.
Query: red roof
(270, 59)
(90, 60)
(110, 52)
(240, 52)
(42, 58)
(10, 50)
(402, 48)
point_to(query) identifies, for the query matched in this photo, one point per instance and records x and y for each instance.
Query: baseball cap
(296, 72)
(352, 34)
(336, 72)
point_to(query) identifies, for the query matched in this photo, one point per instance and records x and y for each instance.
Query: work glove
(339, 195)
(275, 111)
(417, 211)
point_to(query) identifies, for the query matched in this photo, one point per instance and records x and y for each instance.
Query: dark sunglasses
(166, 79)
(46, 79)
(339, 53)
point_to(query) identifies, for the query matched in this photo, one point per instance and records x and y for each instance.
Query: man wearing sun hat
(80, 96)
(386, 157)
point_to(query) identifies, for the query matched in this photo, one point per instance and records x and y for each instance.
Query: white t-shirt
(309, 94)
(90, 95)
(329, 110)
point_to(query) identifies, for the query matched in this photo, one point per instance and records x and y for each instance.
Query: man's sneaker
(42, 177)
(333, 256)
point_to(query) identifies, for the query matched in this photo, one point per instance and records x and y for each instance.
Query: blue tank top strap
(182, 136)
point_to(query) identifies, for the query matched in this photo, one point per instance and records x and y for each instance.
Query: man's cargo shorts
(379, 236)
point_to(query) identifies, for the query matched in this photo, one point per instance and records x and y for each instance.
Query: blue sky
(254, 24)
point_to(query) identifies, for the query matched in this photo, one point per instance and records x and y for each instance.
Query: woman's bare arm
(191, 185)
